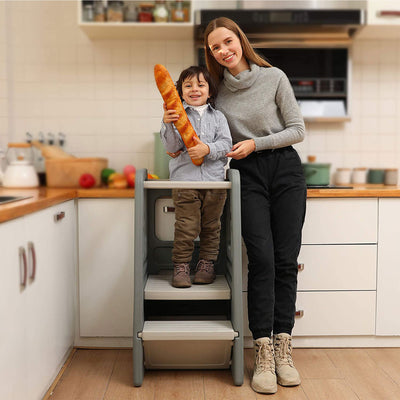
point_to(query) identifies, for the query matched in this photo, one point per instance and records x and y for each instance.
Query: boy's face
(195, 91)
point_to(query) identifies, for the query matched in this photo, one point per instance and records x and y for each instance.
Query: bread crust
(172, 101)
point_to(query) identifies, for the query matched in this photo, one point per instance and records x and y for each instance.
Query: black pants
(273, 194)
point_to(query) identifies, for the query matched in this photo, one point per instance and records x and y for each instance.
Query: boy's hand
(169, 115)
(199, 150)
(174, 155)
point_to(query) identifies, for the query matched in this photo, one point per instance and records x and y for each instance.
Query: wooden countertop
(368, 190)
(43, 197)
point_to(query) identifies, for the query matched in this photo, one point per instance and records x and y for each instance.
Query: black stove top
(328, 187)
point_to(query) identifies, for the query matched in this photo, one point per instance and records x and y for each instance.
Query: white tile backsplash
(102, 95)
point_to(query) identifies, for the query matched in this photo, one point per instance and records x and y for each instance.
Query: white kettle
(20, 172)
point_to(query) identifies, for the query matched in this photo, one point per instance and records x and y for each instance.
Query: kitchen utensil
(376, 176)
(161, 158)
(51, 151)
(20, 171)
(316, 173)
(65, 172)
(391, 176)
(343, 176)
(359, 175)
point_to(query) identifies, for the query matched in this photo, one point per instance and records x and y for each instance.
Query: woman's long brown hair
(216, 69)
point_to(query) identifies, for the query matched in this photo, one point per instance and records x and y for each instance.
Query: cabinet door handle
(299, 313)
(23, 268)
(59, 216)
(32, 255)
(300, 266)
(388, 13)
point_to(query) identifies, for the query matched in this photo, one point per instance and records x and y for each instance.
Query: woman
(265, 121)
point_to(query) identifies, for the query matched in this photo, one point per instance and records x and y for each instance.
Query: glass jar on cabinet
(160, 12)
(115, 11)
(146, 12)
(130, 12)
(87, 11)
(99, 11)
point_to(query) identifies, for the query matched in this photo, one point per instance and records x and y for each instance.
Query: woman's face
(227, 50)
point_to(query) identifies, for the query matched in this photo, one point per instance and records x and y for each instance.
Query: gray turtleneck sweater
(259, 104)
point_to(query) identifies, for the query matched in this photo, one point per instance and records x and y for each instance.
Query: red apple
(129, 169)
(131, 179)
(87, 181)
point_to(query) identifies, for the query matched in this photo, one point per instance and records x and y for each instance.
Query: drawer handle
(388, 13)
(300, 266)
(32, 252)
(59, 216)
(299, 313)
(167, 209)
(23, 269)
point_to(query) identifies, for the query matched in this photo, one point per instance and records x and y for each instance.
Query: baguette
(172, 101)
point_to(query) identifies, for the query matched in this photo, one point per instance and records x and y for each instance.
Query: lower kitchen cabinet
(388, 285)
(105, 269)
(37, 299)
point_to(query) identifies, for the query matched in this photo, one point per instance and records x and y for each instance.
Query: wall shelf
(138, 30)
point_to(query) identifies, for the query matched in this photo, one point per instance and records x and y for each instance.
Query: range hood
(291, 23)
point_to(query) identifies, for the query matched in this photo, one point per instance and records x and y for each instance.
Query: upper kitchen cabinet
(102, 19)
(383, 20)
(383, 12)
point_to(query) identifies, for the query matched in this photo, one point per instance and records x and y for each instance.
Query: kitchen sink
(9, 199)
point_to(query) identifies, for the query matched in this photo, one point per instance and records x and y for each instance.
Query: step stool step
(188, 330)
(158, 287)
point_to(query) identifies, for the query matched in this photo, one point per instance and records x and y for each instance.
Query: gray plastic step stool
(195, 328)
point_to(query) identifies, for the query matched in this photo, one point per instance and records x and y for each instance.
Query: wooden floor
(327, 374)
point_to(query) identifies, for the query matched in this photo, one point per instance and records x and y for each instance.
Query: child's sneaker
(204, 272)
(181, 278)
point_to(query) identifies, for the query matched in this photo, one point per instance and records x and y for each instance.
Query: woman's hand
(199, 150)
(174, 155)
(242, 149)
(169, 115)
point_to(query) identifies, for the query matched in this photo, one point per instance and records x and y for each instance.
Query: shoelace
(181, 268)
(265, 357)
(205, 266)
(283, 351)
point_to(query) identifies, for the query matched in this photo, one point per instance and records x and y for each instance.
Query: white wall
(3, 78)
(102, 94)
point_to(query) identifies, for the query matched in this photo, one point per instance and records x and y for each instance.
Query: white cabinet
(340, 221)
(38, 316)
(105, 267)
(388, 289)
(383, 12)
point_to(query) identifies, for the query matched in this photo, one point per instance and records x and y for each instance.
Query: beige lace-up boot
(284, 366)
(264, 378)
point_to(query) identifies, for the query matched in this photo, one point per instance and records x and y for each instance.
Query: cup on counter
(376, 176)
(343, 176)
(359, 176)
(391, 175)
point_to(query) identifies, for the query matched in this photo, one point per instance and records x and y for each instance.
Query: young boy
(197, 211)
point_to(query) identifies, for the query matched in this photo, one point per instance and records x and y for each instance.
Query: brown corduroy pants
(197, 213)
